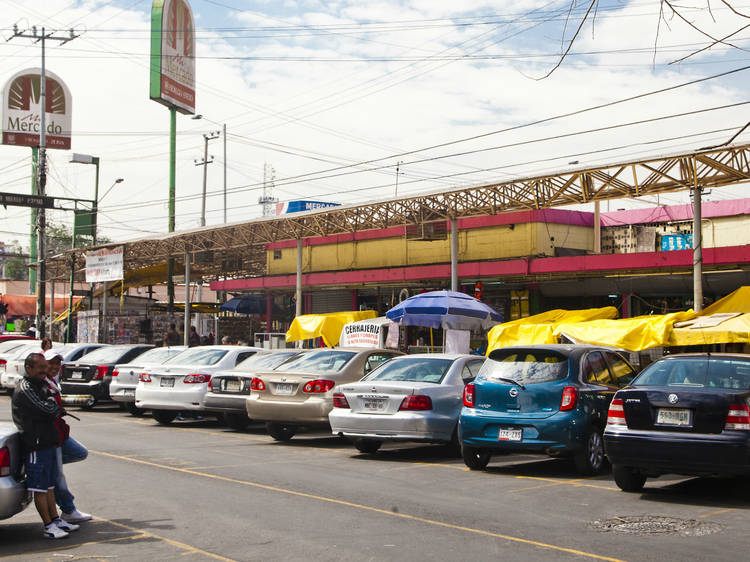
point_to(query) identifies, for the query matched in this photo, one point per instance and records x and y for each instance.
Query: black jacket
(34, 413)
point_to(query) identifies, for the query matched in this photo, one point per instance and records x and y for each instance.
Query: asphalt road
(200, 491)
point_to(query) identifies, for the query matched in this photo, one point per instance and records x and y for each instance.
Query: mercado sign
(104, 265)
(22, 114)
(19, 200)
(173, 55)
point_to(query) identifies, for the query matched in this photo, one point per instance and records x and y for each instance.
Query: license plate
(509, 434)
(128, 392)
(284, 388)
(673, 416)
(76, 375)
(374, 405)
(232, 386)
(168, 382)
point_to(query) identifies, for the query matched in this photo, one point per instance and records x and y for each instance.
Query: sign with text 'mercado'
(172, 76)
(19, 200)
(104, 265)
(22, 112)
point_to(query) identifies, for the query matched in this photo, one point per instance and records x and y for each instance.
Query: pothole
(656, 525)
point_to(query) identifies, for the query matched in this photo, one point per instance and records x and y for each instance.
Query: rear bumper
(122, 392)
(312, 410)
(658, 452)
(172, 399)
(13, 496)
(402, 426)
(99, 389)
(226, 402)
(9, 380)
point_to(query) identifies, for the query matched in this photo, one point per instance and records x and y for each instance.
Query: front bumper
(171, 399)
(312, 410)
(99, 389)
(226, 402)
(13, 496)
(401, 426)
(660, 452)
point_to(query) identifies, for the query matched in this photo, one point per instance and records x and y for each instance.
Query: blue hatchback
(549, 399)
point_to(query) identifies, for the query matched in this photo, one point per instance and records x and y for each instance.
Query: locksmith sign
(22, 117)
(104, 265)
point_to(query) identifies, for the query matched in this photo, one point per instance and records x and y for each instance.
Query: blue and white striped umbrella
(444, 309)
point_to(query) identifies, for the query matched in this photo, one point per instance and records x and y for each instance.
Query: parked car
(410, 398)
(14, 369)
(181, 383)
(228, 390)
(684, 414)
(549, 399)
(301, 394)
(14, 337)
(13, 495)
(92, 374)
(11, 353)
(125, 376)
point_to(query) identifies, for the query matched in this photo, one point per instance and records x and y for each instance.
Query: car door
(601, 387)
(622, 372)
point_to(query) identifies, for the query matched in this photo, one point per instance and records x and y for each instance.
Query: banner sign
(22, 114)
(361, 334)
(302, 205)
(88, 326)
(173, 55)
(104, 265)
(19, 200)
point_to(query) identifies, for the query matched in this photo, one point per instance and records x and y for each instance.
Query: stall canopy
(328, 326)
(249, 304)
(25, 305)
(444, 309)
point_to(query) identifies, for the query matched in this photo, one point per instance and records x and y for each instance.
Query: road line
(138, 535)
(717, 512)
(358, 506)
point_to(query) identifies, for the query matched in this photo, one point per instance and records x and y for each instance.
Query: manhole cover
(656, 525)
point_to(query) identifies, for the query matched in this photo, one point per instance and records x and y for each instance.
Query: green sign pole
(72, 278)
(172, 173)
(32, 236)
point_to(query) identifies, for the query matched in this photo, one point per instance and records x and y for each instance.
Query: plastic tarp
(540, 328)
(328, 326)
(738, 301)
(25, 305)
(732, 330)
(632, 334)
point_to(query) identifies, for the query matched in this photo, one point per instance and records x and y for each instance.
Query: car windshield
(527, 366)
(267, 362)
(325, 361)
(158, 354)
(198, 356)
(697, 372)
(411, 369)
(106, 354)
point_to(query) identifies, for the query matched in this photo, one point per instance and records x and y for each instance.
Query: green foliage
(15, 265)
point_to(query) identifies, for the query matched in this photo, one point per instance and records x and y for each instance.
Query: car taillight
(196, 379)
(339, 400)
(257, 384)
(210, 384)
(416, 402)
(144, 377)
(4, 461)
(469, 395)
(569, 398)
(3, 362)
(101, 370)
(616, 414)
(115, 373)
(318, 385)
(738, 417)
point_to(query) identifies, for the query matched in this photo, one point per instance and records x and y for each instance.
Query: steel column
(187, 298)
(454, 255)
(697, 250)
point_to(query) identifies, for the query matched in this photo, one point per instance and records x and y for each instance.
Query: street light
(118, 180)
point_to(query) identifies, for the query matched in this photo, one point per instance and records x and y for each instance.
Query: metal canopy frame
(238, 249)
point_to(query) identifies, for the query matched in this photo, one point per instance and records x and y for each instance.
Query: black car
(93, 373)
(684, 414)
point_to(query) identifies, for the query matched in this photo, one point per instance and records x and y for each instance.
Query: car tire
(164, 417)
(475, 459)
(280, 431)
(628, 479)
(367, 446)
(591, 460)
(134, 410)
(237, 421)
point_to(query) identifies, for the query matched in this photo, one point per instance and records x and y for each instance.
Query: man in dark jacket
(34, 413)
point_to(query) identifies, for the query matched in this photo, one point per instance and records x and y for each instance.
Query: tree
(60, 239)
(14, 262)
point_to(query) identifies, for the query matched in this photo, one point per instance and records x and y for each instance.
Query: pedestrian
(34, 413)
(46, 344)
(193, 338)
(210, 340)
(226, 340)
(32, 331)
(70, 451)
(172, 337)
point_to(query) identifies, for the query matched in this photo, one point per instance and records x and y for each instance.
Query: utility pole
(205, 162)
(398, 171)
(41, 277)
(267, 200)
(224, 135)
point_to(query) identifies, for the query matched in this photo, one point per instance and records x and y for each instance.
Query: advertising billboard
(173, 55)
(22, 114)
(104, 265)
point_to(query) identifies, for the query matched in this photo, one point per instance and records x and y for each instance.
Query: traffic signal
(478, 290)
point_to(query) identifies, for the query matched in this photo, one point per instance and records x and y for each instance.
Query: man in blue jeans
(70, 450)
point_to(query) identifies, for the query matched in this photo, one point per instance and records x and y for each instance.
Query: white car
(8, 349)
(125, 376)
(180, 384)
(9, 376)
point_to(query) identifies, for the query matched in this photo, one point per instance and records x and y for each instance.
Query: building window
(277, 254)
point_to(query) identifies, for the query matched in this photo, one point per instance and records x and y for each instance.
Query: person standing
(46, 345)
(172, 337)
(34, 413)
(70, 451)
(193, 338)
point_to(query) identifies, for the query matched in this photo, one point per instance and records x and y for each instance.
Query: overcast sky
(306, 86)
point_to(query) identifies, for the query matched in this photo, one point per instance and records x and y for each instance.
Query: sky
(313, 92)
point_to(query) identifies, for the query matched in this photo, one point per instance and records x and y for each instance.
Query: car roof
(742, 356)
(451, 356)
(564, 348)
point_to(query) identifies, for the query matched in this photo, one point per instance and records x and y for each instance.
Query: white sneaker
(52, 531)
(65, 525)
(76, 516)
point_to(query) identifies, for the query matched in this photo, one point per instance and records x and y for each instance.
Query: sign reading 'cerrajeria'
(18, 200)
(104, 265)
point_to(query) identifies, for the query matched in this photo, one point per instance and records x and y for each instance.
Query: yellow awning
(328, 326)
(733, 330)
(738, 301)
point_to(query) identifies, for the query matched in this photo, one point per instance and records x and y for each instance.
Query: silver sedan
(411, 398)
(13, 495)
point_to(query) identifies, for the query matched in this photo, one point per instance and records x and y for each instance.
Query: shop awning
(328, 326)
(25, 305)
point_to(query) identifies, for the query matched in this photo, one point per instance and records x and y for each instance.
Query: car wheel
(280, 431)
(238, 421)
(628, 479)
(475, 459)
(367, 446)
(164, 417)
(591, 459)
(134, 410)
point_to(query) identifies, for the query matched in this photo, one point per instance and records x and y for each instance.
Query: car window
(244, 355)
(110, 354)
(198, 356)
(269, 361)
(531, 366)
(323, 361)
(622, 372)
(412, 369)
(474, 366)
(466, 373)
(376, 359)
(595, 369)
(697, 372)
(77, 355)
(158, 354)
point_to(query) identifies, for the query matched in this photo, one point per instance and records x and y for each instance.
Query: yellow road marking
(717, 512)
(577, 483)
(360, 507)
(419, 464)
(138, 535)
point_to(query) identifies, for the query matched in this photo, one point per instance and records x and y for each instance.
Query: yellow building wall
(498, 242)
